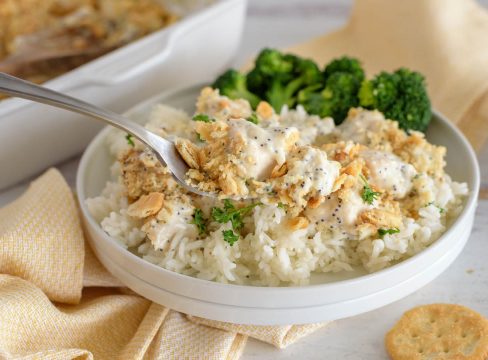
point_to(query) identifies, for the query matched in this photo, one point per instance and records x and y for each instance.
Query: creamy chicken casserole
(298, 195)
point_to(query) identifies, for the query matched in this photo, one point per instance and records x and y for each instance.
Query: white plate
(330, 297)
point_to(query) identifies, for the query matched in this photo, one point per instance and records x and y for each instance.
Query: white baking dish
(195, 49)
(332, 296)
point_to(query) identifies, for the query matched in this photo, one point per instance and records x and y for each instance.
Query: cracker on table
(439, 331)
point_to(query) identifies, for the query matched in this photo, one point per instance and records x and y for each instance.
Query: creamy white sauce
(265, 147)
(388, 172)
(312, 128)
(310, 168)
(356, 128)
(338, 214)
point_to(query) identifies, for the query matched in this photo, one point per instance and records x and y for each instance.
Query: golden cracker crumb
(298, 222)
(146, 205)
(279, 170)
(189, 152)
(315, 202)
(354, 168)
(339, 182)
(264, 110)
(380, 218)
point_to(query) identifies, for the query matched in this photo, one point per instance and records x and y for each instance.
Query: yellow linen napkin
(42, 240)
(45, 313)
(446, 40)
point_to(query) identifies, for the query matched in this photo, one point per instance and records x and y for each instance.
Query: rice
(268, 253)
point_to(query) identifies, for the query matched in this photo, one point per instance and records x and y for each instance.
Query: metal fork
(164, 149)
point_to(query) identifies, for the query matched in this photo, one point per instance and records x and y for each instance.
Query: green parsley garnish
(128, 137)
(253, 118)
(230, 213)
(383, 232)
(203, 117)
(368, 194)
(230, 237)
(199, 221)
(281, 205)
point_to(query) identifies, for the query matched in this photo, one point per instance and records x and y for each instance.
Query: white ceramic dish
(192, 50)
(330, 297)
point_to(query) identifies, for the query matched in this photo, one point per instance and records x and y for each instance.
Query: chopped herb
(199, 221)
(253, 118)
(230, 237)
(230, 213)
(203, 117)
(383, 232)
(281, 205)
(128, 137)
(368, 194)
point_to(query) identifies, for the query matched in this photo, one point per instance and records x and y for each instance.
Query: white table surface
(280, 23)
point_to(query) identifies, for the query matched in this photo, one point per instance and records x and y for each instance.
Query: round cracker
(439, 331)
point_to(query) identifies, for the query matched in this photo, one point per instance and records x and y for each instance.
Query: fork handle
(16, 87)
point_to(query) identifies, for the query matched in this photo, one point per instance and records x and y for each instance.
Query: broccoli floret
(400, 96)
(305, 74)
(345, 64)
(343, 77)
(268, 65)
(379, 92)
(233, 84)
(335, 100)
(278, 77)
(305, 70)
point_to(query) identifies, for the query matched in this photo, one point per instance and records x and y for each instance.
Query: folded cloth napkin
(443, 39)
(58, 302)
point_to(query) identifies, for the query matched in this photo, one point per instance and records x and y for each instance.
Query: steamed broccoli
(286, 79)
(335, 100)
(345, 64)
(278, 77)
(268, 65)
(343, 79)
(233, 84)
(400, 96)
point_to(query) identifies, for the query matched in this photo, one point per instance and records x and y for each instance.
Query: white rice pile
(269, 254)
